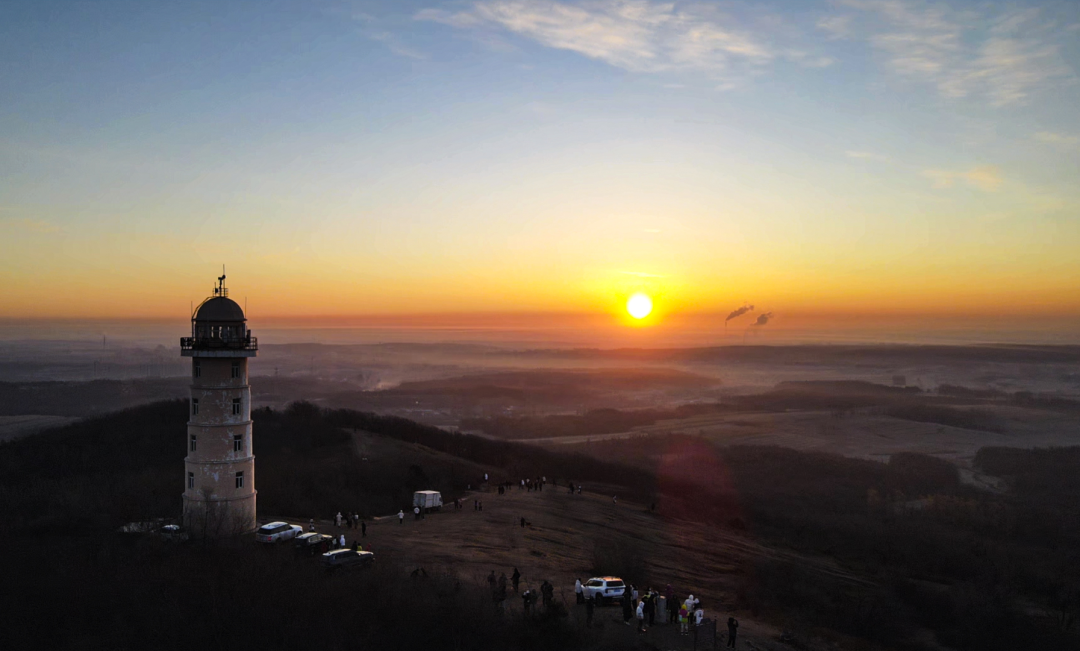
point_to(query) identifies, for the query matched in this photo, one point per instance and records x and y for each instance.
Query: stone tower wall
(213, 504)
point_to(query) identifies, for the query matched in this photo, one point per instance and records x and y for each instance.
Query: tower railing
(216, 343)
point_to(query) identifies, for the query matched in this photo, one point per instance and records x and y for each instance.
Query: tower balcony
(218, 347)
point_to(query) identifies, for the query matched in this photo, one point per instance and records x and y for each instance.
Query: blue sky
(499, 154)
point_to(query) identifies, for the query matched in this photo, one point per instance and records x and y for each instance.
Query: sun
(639, 306)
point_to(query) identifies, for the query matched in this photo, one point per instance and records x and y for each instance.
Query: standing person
(684, 620)
(634, 593)
(474, 503)
(526, 601)
(337, 519)
(311, 524)
(732, 631)
(341, 542)
(492, 581)
(627, 607)
(416, 512)
(579, 590)
(356, 520)
(589, 606)
(640, 614)
(522, 522)
(363, 529)
(547, 591)
(673, 609)
(515, 578)
(401, 517)
(699, 615)
(650, 606)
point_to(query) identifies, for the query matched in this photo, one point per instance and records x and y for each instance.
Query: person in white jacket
(640, 613)
(579, 591)
(401, 517)
(341, 542)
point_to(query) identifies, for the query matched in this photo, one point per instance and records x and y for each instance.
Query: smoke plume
(739, 312)
(762, 319)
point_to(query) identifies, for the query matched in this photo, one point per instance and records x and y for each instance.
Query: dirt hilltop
(560, 543)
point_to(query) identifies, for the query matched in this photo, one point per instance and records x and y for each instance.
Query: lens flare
(639, 306)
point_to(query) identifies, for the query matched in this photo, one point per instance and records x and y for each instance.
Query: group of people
(331, 543)
(643, 606)
(349, 520)
(529, 597)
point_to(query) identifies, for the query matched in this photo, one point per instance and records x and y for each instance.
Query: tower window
(194, 406)
(191, 480)
(240, 479)
(236, 406)
(197, 368)
(237, 443)
(235, 370)
(192, 446)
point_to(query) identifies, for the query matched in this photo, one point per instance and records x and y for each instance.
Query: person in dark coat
(363, 529)
(515, 578)
(627, 607)
(732, 631)
(650, 606)
(547, 591)
(672, 607)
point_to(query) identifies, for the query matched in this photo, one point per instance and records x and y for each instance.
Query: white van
(430, 500)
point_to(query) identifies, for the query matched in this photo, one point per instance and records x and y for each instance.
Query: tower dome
(219, 324)
(219, 309)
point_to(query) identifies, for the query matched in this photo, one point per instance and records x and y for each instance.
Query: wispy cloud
(1065, 141)
(31, 225)
(866, 155)
(835, 26)
(636, 35)
(1005, 57)
(394, 45)
(984, 177)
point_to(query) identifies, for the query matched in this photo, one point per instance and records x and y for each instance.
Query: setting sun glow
(639, 306)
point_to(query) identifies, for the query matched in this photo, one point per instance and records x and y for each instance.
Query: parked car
(311, 543)
(604, 589)
(340, 558)
(173, 532)
(277, 532)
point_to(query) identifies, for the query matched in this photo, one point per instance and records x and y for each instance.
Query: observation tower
(219, 477)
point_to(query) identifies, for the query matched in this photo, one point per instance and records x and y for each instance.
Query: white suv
(604, 588)
(277, 531)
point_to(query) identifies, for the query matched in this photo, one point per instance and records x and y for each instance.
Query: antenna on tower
(221, 291)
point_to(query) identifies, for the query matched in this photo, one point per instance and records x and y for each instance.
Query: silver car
(277, 531)
(604, 589)
(346, 558)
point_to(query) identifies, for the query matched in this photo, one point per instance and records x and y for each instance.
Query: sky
(500, 157)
